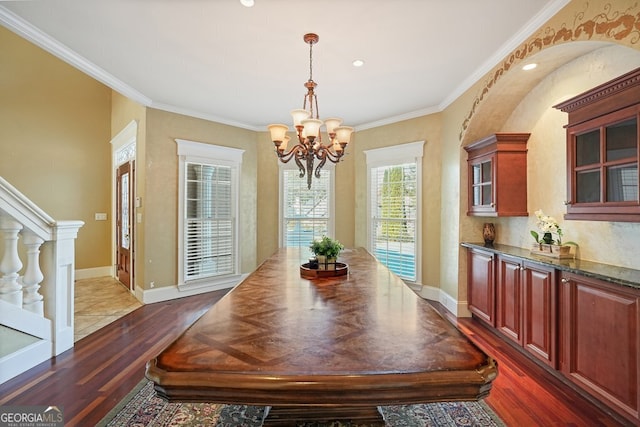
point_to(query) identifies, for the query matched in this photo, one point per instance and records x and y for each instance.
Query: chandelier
(307, 124)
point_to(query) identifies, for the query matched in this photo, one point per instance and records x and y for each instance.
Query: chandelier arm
(330, 155)
(285, 157)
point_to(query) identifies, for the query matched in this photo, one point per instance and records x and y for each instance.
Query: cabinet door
(509, 299)
(481, 190)
(599, 340)
(539, 312)
(481, 288)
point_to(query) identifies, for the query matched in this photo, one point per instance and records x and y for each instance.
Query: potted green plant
(326, 251)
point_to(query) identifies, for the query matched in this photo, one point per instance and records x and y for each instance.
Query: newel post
(10, 289)
(58, 260)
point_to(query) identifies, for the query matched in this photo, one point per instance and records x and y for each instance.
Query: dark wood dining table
(322, 349)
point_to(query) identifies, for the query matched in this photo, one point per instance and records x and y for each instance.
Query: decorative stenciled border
(608, 24)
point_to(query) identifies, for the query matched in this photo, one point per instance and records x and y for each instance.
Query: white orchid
(546, 224)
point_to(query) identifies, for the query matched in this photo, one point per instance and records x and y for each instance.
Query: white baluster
(32, 301)
(10, 290)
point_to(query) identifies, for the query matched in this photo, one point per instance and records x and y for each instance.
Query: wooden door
(509, 299)
(481, 286)
(540, 291)
(124, 223)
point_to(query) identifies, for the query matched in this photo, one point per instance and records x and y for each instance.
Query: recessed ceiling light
(530, 66)
(358, 63)
(247, 3)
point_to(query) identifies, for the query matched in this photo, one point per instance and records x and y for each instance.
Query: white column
(32, 300)
(58, 286)
(10, 290)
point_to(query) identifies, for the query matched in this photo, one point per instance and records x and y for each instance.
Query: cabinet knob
(493, 205)
(563, 280)
(567, 202)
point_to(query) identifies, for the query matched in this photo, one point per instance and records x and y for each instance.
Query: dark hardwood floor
(89, 380)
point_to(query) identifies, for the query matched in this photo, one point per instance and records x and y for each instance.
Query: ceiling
(219, 60)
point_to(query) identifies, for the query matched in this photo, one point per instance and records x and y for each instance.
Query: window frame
(281, 200)
(411, 152)
(214, 155)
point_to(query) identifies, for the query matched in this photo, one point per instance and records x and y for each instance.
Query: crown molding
(36, 36)
(525, 32)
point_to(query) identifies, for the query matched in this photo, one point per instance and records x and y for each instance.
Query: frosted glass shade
(331, 124)
(278, 132)
(298, 116)
(311, 127)
(343, 134)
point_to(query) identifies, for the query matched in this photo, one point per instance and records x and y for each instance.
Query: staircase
(36, 302)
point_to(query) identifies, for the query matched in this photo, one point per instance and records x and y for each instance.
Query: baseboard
(91, 273)
(24, 359)
(457, 308)
(166, 293)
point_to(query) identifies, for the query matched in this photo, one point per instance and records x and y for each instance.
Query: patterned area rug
(141, 407)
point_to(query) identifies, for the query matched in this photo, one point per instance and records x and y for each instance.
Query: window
(208, 236)
(306, 214)
(394, 176)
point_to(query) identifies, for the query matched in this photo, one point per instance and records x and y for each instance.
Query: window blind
(306, 213)
(209, 226)
(394, 214)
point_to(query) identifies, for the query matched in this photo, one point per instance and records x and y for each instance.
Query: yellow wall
(427, 129)
(54, 141)
(123, 112)
(160, 221)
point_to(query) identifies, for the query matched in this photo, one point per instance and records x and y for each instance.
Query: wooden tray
(310, 273)
(553, 251)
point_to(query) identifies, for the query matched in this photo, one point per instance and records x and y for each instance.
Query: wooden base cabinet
(526, 306)
(540, 312)
(481, 285)
(509, 298)
(599, 341)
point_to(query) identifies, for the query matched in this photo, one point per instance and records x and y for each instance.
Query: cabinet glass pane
(588, 187)
(477, 196)
(486, 194)
(588, 148)
(622, 183)
(486, 172)
(476, 174)
(622, 140)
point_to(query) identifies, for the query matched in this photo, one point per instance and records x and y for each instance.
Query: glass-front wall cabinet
(603, 151)
(482, 180)
(498, 175)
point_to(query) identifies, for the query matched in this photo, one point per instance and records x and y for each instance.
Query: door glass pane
(124, 210)
(477, 176)
(622, 140)
(588, 148)
(477, 195)
(588, 187)
(486, 172)
(622, 183)
(486, 194)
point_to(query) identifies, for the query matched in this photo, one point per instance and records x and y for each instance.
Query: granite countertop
(609, 273)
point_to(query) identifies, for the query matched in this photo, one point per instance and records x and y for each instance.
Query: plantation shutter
(209, 226)
(394, 214)
(306, 212)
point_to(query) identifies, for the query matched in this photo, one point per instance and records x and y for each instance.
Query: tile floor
(98, 302)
